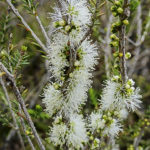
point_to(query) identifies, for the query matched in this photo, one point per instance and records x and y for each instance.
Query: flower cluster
(72, 57)
(116, 100)
(118, 95)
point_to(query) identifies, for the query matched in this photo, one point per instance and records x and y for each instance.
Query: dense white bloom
(58, 133)
(56, 54)
(79, 83)
(75, 10)
(113, 98)
(96, 121)
(77, 134)
(114, 129)
(108, 95)
(133, 101)
(123, 113)
(52, 99)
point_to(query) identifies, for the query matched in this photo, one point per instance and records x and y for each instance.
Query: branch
(22, 104)
(107, 47)
(43, 29)
(122, 43)
(16, 12)
(138, 139)
(12, 112)
(24, 129)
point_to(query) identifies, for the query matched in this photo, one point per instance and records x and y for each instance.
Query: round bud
(56, 86)
(120, 54)
(67, 28)
(77, 63)
(117, 3)
(127, 86)
(114, 43)
(125, 22)
(55, 24)
(24, 48)
(114, 14)
(3, 53)
(113, 8)
(113, 36)
(128, 55)
(120, 10)
(62, 23)
(115, 54)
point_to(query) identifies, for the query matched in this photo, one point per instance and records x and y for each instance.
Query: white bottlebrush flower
(75, 10)
(112, 97)
(108, 99)
(56, 54)
(134, 100)
(123, 113)
(80, 81)
(96, 121)
(52, 99)
(77, 133)
(58, 134)
(113, 130)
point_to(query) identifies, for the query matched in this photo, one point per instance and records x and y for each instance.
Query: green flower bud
(117, 3)
(120, 10)
(125, 22)
(38, 107)
(116, 54)
(3, 53)
(56, 24)
(67, 28)
(120, 54)
(128, 55)
(114, 37)
(114, 43)
(113, 8)
(62, 23)
(56, 86)
(62, 78)
(91, 138)
(77, 64)
(24, 48)
(114, 14)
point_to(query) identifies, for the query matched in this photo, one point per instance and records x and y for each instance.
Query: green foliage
(30, 6)
(93, 97)
(134, 4)
(4, 27)
(38, 113)
(14, 58)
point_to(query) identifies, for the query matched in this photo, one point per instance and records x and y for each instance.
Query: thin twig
(12, 112)
(138, 139)
(16, 12)
(23, 106)
(107, 47)
(43, 30)
(24, 129)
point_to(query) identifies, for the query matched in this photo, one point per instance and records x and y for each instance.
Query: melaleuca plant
(119, 95)
(72, 57)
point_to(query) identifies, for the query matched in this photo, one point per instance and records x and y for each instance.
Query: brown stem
(122, 42)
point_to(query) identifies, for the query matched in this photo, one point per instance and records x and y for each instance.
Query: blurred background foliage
(29, 65)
